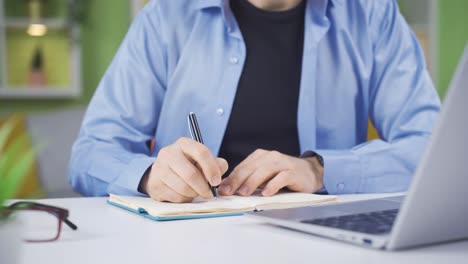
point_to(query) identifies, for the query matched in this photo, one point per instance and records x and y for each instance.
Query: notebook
(214, 207)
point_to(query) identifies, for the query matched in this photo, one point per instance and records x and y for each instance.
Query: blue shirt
(360, 61)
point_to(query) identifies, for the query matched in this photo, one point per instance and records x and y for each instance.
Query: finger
(262, 186)
(189, 174)
(260, 176)
(247, 162)
(166, 194)
(158, 191)
(171, 179)
(231, 184)
(277, 183)
(200, 154)
(223, 165)
(268, 166)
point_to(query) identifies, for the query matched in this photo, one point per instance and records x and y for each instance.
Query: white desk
(107, 234)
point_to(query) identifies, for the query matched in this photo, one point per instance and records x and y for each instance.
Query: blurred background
(53, 54)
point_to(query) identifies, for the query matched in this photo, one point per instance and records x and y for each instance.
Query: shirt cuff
(322, 191)
(129, 180)
(342, 171)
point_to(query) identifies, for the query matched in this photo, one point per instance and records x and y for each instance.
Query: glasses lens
(38, 225)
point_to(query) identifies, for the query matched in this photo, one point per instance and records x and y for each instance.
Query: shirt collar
(203, 4)
(316, 11)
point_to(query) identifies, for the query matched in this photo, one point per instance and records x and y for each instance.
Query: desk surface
(108, 234)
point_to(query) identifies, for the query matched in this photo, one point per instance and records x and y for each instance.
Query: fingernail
(266, 192)
(244, 190)
(215, 181)
(226, 189)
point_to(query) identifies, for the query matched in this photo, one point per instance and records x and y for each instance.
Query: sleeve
(403, 107)
(111, 154)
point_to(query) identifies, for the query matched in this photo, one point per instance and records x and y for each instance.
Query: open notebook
(220, 206)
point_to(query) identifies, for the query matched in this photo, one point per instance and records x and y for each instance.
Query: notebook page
(284, 200)
(199, 205)
(222, 203)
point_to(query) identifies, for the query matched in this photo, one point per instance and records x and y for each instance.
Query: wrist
(317, 169)
(317, 166)
(144, 182)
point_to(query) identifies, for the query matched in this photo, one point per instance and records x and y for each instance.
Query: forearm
(375, 166)
(97, 169)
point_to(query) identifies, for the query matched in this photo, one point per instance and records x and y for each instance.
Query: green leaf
(16, 175)
(12, 152)
(13, 167)
(5, 132)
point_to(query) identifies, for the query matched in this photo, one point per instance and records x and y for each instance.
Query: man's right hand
(182, 171)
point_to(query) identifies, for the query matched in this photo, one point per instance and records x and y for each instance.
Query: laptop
(435, 207)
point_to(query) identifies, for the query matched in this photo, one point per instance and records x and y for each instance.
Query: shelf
(52, 23)
(39, 92)
(61, 52)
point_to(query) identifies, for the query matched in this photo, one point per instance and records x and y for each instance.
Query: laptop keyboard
(376, 223)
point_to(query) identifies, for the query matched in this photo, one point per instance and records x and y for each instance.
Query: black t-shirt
(264, 114)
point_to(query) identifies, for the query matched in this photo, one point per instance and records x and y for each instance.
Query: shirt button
(340, 186)
(234, 60)
(220, 111)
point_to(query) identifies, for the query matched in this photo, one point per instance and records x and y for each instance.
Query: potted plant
(14, 164)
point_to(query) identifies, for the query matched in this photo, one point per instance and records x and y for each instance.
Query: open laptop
(435, 208)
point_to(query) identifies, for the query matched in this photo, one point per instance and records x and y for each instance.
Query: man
(283, 90)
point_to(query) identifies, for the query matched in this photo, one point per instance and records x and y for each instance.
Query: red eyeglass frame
(60, 213)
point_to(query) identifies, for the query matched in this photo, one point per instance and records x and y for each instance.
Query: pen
(196, 135)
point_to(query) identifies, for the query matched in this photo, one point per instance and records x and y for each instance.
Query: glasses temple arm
(70, 224)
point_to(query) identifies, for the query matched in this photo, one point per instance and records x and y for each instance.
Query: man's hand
(182, 171)
(277, 171)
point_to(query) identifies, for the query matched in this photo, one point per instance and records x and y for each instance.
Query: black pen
(196, 135)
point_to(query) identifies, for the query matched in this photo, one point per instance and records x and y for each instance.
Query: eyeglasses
(40, 222)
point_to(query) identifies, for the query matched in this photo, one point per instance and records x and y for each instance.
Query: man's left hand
(276, 171)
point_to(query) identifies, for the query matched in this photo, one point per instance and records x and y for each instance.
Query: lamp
(36, 28)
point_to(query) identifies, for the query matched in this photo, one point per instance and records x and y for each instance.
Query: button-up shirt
(360, 61)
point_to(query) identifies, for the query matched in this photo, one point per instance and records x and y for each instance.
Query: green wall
(105, 27)
(52, 8)
(104, 24)
(453, 36)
